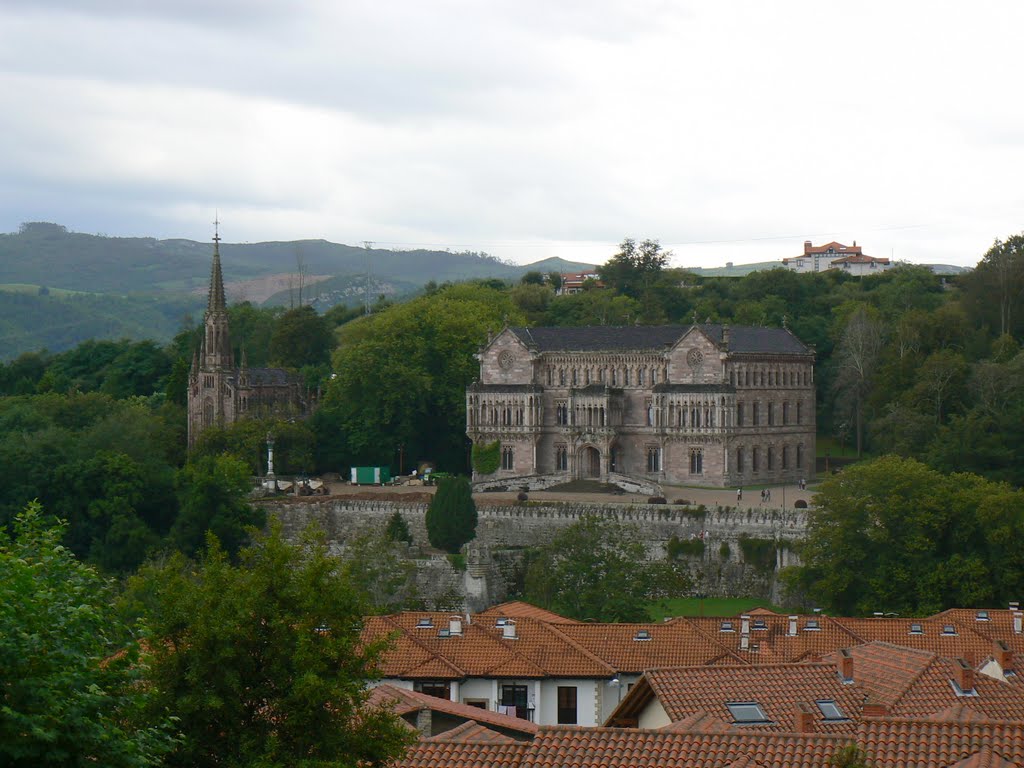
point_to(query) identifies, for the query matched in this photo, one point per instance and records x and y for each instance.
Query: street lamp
(270, 455)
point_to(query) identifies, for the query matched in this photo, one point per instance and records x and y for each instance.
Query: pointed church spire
(216, 301)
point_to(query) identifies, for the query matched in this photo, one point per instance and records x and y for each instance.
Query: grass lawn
(712, 606)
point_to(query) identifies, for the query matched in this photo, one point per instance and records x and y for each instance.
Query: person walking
(739, 495)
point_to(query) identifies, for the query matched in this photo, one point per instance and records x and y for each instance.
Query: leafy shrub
(486, 457)
(398, 529)
(758, 552)
(677, 548)
(724, 550)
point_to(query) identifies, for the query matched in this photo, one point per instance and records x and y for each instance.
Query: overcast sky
(729, 131)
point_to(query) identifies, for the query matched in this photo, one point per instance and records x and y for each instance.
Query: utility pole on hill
(368, 245)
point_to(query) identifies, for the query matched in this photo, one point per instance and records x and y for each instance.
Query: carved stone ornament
(505, 360)
(694, 357)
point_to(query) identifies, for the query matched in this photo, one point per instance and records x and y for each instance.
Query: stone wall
(503, 531)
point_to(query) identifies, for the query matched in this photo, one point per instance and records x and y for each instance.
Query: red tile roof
(770, 641)
(471, 732)
(967, 643)
(403, 701)
(518, 609)
(444, 754)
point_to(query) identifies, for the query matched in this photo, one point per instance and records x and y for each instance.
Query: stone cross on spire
(216, 301)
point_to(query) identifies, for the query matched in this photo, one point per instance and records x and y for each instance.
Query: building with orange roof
(833, 255)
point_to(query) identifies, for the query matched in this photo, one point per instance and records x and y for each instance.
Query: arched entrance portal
(590, 462)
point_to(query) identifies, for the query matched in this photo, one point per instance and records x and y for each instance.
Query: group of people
(766, 493)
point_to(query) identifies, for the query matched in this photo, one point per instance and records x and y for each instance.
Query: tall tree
(262, 663)
(451, 516)
(634, 270)
(69, 672)
(857, 354)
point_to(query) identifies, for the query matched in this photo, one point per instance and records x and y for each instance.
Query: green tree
(212, 492)
(850, 756)
(69, 672)
(301, 338)
(398, 529)
(385, 580)
(895, 535)
(451, 516)
(262, 663)
(598, 569)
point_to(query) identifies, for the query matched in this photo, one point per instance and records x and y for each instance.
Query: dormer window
(916, 629)
(427, 623)
(746, 712)
(642, 634)
(727, 626)
(948, 630)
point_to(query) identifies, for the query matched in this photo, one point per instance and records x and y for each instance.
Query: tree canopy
(263, 662)
(69, 672)
(895, 535)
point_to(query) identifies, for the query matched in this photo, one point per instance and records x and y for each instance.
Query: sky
(730, 131)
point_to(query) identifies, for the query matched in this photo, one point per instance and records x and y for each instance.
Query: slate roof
(266, 377)
(600, 338)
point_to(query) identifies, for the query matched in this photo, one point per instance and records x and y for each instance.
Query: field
(710, 606)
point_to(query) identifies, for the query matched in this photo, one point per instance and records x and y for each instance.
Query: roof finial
(785, 322)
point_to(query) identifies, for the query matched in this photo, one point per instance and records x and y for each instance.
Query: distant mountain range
(72, 286)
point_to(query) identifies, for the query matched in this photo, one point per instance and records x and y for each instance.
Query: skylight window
(916, 629)
(642, 634)
(426, 623)
(746, 712)
(812, 625)
(727, 627)
(981, 616)
(948, 629)
(830, 710)
(500, 622)
(444, 633)
(760, 624)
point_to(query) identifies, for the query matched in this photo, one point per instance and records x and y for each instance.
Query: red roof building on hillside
(834, 255)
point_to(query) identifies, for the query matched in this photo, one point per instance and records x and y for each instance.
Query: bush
(682, 502)
(724, 550)
(656, 500)
(677, 547)
(451, 516)
(398, 529)
(758, 552)
(523, 496)
(486, 457)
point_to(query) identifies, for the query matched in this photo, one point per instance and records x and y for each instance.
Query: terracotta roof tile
(777, 689)
(769, 638)
(966, 643)
(985, 758)
(403, 701)
(632, 648)
(518, 609)
(471, 732)
(441, 754)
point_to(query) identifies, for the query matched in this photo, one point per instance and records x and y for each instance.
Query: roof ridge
(592, 656)
(508, 649)
(419, 644)
(727, 651)
(913, 680)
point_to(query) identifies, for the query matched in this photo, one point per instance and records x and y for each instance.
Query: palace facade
(704, 404)
(219, 392)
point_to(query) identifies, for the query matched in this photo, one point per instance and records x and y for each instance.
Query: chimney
(1018, 622)
(873, 708)
(508, 630)
(803, 720)
(725, 335)
(424, 722)
(964, 676)
(846, 665)
(455, 626)
(807, 247)
(744, 625)
(1003, 656)
(792, 626)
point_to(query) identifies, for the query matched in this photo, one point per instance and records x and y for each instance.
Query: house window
(654, 376)
(754, 459)
(654, 459)
(696, 461)
(561, 459)
(561, 414)
(768, 459)
(507, 458)
(746, 712)
(739, 459)
(771, 414)
(514, 697)
(649, 408)
(561, 377)
(785, 413)
(586, 376)
(625, 378)
(575, 377)
(799, 413)
(785, 457)
(739, 414)
(567, 705)
(799, 457)
(478, 703)
(440, 688)
(551, 377)
(640, 377)
(757, 414)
